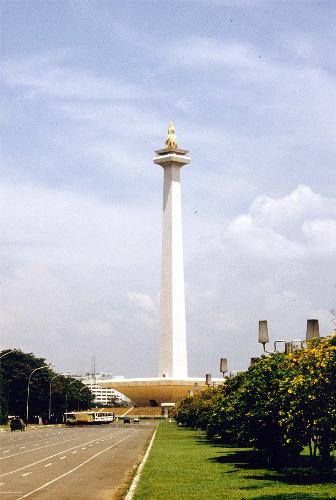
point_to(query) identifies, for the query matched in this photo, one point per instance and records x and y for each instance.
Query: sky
(89, 89)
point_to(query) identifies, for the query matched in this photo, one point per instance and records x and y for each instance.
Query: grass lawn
(182, 465)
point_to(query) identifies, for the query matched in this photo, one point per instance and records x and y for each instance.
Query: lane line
(45, 485)
(47, 458)
(62, 458)
(41, 448)
(26, 474)
(48, 465)
(76, 451)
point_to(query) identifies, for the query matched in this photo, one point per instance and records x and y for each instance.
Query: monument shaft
(173, 351)
(173, 344)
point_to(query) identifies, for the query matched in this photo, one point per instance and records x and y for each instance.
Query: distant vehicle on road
(88, 417)
(127, 420)
(17, 424)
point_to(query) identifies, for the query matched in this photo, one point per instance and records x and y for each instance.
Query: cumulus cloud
(56, 77)
(72, 268)
(141, 301)
(81, 201)
(289, 227)
(273, 262)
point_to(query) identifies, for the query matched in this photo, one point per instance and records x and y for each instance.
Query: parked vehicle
(127, 420)
(17, 424)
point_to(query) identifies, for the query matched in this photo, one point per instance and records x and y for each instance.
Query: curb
(137, 476)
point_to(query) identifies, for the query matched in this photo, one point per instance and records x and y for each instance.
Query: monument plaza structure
(173, 382)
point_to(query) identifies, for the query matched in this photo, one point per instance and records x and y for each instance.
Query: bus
(88, 417)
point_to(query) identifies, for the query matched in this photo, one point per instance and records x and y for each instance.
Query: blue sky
(89, 88)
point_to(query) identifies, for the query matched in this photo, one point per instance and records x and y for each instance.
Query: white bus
(88, 417)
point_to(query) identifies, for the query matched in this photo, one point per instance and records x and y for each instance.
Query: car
(17, 424)
(136, 420)
(127, 420)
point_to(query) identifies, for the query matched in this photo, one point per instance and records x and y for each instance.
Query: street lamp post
(28, 388)
(223, 366)
(292, 345)
(66, 394)
(49, 409)
(79, 395)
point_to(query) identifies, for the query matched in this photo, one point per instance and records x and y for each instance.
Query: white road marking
(48, 465)
(62, 458)
(26, 474)
(75, 468)
(1, 484)
(23, 447)
(7, 451)
(83, 448)
(41, 448)
(47, 458)
(76, 451)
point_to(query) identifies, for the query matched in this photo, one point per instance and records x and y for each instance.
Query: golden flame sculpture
(171, 138)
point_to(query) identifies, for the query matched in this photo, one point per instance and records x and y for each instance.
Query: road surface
(76, 463)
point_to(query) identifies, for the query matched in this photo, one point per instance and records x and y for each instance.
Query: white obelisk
(173, 342)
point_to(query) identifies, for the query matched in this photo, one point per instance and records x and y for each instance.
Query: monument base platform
(154, 391)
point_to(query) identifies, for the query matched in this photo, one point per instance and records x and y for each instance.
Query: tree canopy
(15, 369)
(281, 404)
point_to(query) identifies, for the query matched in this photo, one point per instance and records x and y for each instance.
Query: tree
(16, 367)
(308, 397)
(279, 405)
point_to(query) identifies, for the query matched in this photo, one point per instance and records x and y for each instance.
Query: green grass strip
(182, 465)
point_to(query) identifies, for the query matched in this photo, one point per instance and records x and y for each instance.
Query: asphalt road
(76, 463)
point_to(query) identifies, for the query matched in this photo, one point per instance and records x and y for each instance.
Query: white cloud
(321, 236)
(287, 227)
(57, 78)
(141, 301)
(199, 51)
(81, 239)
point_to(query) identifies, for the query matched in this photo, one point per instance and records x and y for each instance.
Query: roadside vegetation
(15, 369)
(279, 406)
(185, 465)
(267, 433)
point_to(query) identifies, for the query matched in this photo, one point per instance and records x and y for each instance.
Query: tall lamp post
(223, 366)
(66, 394)
(79, 395)
(28, 387)
(49, 409)
(293, 345)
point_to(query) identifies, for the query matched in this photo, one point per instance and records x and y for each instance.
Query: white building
(102, 395)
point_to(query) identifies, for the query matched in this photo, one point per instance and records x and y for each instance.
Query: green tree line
(281, 404)
(67, 393)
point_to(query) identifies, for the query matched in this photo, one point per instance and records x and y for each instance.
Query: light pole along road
(49, 409)
(66, 394)
(28, 387)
